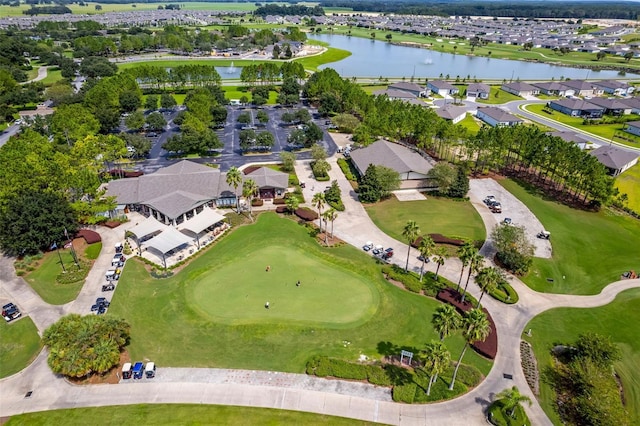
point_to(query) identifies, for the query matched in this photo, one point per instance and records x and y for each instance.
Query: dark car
(108, 287)
(102, 301)
(10, 312)
(102, 310)
(388, 253)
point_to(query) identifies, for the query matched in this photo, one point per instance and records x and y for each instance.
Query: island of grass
(435, 215)
(172, 414)
(618, 319)
(19, 345)
(213, 314)
(590, 249)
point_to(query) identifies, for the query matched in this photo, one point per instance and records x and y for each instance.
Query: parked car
(119, 247)
(507, 221)
(10, 312)
(368, 246)
(489, 199)
(118, 260)
(378, 250)
(102, 301)
(137, 370)
(101, 305)
(150, 370)
(496, 208)
(388, 253)
(126, 370)
(108, 287)
(544, 235)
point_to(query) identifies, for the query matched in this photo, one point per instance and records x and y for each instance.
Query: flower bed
(305, 213)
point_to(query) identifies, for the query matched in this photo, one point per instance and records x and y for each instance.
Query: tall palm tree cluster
(330, 215)
(446, 320)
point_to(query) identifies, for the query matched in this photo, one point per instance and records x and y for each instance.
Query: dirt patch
(331, 242)
(111, 377)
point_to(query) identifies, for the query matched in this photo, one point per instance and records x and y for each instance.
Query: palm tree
(475, 327)
(332, 215)
(437, 359)
(511, 399)
(234, 178)
(326, 216)
(426, 247)
(319, 201)
(446, 320)
(410, 232)
(440, 257)
(475, 261)
(488, 279)
(463, 254)
(249, 190)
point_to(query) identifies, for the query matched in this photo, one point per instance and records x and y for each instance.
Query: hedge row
(344, 166)
(504, 293)
(323, 178)
(411, 280)
(338, 206)
(323, 366)
(439, 239)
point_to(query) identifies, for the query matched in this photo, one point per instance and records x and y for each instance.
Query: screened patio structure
(146, 228)
(201, 222)
(168, 242)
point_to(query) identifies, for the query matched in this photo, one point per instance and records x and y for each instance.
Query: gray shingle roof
(500, 115)
(577, 104)
(395, 94)
(613, 157)
(449, 112)
(394, 156)
(265, 177)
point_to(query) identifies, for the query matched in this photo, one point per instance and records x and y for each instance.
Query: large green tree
(72, 122)
(475, 327)
(32, 221)
(83, 345)
(514, 249)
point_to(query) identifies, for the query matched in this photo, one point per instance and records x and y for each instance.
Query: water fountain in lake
(231, 69)
(428, 61)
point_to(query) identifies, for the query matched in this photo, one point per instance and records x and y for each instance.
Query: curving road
(282, 390)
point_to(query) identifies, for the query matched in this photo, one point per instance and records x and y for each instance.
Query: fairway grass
(435, 215)
(171, 328)
(498, 96)
(619, 319)
(590, 250)
(629, 183)
(238, 295)
(177, 414)
(19, 345)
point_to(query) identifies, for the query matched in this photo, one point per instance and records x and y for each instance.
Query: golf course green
(238, 295)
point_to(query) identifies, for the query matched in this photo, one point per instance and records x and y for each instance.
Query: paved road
(288, 391)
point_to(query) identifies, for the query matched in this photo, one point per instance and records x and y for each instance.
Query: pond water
(374, 58)
(231, 72)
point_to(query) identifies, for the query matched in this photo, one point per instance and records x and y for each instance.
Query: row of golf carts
(138, 370)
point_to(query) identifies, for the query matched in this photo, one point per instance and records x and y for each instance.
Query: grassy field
(43, 279)
(455, 219)
(90, 8)
(470, 123)
(629, 183)
(19, 345)
(617, 319)
(174, 414)
(586, 257)
(499, 96)
(332, 54)
(53, 74)
(605, 131)
(171, 327)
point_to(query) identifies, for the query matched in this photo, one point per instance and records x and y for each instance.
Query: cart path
(284, 390)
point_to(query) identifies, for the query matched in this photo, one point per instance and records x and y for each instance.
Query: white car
(368, 246)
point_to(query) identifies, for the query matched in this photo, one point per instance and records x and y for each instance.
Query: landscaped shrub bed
(504, 293)
(323, 366)
(257, 202)
(89, 236)
(497, 415)
(323, 178)
(74, 274)
(281, 209)
(346, 169)
(305, 213)
(279, 201)
(411, 280)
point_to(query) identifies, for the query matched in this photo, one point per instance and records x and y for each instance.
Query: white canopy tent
(168, 240)
(147, 227)
(202, 221)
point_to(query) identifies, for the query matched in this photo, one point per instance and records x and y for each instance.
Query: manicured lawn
(93, 251)
(470, 123)
(331, 55)
(53, 75)
(455, 219)
(629, 183)
(590, 250)
(618, 319)
(19, 345)
(605, 131)
(173, 321)
(499, 96)
(370, 89)
(172, 414)
(43, 279)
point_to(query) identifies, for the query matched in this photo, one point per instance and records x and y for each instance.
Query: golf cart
(388, 253)
(126, 370)
(112, 274)
(544, 235)
(108, 287)
(118, 260)
(150, 370)
(138, 370)
(10, 312)
(368, 246)
(378, 250)
(119, 248)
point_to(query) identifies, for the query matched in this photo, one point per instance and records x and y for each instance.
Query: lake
(374, 58)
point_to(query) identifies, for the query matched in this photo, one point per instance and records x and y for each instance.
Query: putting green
(327, 293)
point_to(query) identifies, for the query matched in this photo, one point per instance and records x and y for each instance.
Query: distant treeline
(527, 9)
(274, 9)
(47, 10)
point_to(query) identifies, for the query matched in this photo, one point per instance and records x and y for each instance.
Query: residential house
(411, 166)
(633, 127)
(413, 88)
(519, 88)
(612, 106)
(554, 88)
(583, 88)
(577, 108)
(478, 90)
(634, 103)
(453, 113)
(614, 87)
(395, 94)
(572, 137)
(442, 88)
(495, 116)
(615, 159)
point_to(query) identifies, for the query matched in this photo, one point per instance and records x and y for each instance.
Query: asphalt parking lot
(512, 208)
